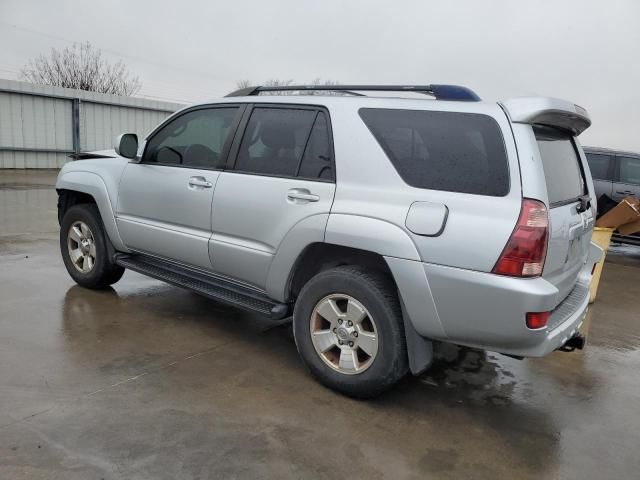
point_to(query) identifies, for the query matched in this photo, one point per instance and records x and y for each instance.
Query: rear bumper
(488, 311)
(564, 323)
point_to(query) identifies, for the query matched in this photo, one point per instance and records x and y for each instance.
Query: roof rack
(439, 92)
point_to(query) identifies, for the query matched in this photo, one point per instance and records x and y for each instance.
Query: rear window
(561, 165)
(454, 152)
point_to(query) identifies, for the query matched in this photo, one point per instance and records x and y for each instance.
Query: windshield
(561, 163)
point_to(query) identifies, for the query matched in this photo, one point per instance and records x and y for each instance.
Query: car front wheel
(83, 245)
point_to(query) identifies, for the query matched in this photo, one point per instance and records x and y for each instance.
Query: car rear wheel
(83, 244)
(349, 332)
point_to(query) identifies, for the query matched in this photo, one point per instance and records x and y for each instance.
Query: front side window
(629, 170)
(454, 152)
(274, 141)
(195, 139)
(561, 164)
(600, 165)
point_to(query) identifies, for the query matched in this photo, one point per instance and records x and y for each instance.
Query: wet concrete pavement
(150, 381)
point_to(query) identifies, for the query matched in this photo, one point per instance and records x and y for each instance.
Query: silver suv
(381, 223)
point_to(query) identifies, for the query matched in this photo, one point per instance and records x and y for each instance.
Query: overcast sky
(583, 50)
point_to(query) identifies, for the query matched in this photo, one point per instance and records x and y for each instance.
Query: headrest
(278, 135)
(197, 154)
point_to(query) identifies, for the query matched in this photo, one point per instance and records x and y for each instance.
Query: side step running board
(209, 286)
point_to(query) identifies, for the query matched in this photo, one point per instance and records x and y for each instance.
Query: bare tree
(275, 82)
(243, 84)
(82, 67)
(318, 81)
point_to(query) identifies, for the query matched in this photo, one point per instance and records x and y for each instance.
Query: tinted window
(561, 164)
(455, 152)
(629, 170)
(316, 161)
(195, 139)
(599, 164)
(274, 141)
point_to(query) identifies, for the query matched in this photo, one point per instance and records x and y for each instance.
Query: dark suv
(615, 174)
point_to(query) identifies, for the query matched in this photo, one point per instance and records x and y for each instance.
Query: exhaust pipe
(576, 342)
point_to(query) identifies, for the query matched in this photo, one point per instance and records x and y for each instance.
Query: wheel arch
(69, 198)
(360, 234)
(321, 256)
(87, 187)
(416, 301)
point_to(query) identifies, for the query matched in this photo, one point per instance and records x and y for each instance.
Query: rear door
(569, 226)
(628, 177)
(602, 170)
(283, 173)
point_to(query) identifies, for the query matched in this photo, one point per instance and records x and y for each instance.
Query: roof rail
(439, 92)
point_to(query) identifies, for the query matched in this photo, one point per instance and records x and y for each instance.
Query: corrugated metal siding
(36, 122)
(101, 124)
(19, 159)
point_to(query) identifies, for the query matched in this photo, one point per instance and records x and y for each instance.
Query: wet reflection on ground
(149, 381)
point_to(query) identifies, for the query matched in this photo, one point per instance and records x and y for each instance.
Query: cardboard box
(629, 228)
(627, 211)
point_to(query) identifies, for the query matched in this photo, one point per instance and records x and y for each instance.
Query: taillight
(537, 319)
(527, 247)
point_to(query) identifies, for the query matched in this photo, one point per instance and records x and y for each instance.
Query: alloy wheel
(81, 246)
(344, 334)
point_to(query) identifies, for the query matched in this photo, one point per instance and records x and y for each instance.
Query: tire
(361, 289)
(95, 270)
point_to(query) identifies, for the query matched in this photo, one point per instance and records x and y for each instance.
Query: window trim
(618, 162)
(224, 154)
(386, 149)
(232, 158)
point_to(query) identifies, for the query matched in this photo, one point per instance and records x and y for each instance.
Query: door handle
(199, 182)
(302, 194)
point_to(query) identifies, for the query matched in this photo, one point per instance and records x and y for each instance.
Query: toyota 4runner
(382, 224)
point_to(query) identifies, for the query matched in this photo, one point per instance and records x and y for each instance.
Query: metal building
(41, 125)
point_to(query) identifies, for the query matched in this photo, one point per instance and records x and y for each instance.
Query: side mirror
(127, 145)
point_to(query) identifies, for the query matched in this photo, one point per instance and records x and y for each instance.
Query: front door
(283, 174)
(164, 202)
(628, 179)
(602, 167)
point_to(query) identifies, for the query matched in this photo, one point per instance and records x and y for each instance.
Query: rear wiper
(585, 203)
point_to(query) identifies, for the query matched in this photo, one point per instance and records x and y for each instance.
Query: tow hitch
(575, 342)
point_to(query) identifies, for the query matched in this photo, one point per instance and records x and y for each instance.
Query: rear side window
(629, 170)
(561, 165)
(600, 165)
(316, 162)
(454, 152)
(274, 141)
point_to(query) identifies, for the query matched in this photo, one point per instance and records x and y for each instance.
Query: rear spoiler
(548, 111)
